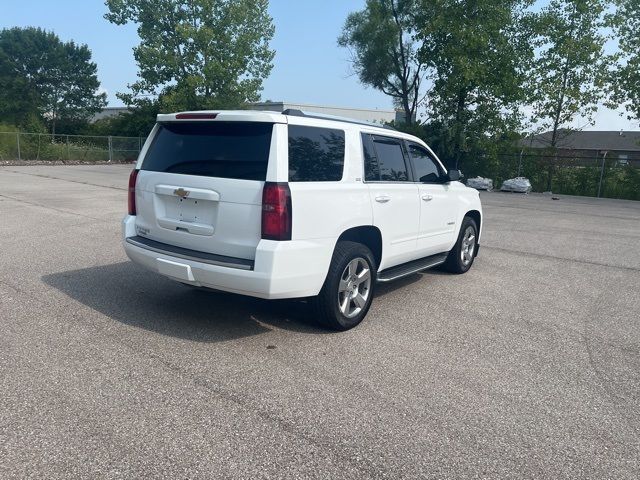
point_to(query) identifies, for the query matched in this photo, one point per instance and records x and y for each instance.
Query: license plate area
(189, 211)
(186, 210)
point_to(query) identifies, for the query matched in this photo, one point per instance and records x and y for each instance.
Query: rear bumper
(289, 269)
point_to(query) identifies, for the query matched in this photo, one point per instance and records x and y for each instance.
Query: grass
(62, 148)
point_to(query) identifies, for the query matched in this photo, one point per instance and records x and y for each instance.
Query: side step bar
(408, 268)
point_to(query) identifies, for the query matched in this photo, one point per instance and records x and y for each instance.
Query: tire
(462, 255)
(346, 295)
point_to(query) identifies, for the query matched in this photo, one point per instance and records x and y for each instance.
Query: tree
(384, 52)
(477, 51)
(568, 72)
(197, 54)
(137, 122)
(625, 78)
(567, 75)
(40, 75)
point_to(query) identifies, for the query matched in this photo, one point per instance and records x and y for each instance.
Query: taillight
(276, 211)
(132, 191)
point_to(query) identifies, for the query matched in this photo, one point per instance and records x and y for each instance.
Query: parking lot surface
(527, 366)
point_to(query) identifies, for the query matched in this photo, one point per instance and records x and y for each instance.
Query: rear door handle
(427, 198)
(383, 198)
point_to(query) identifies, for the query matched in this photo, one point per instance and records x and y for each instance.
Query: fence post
(68, 152)
(18, 143)
(110, 149)
(604, 158)
(520, 163)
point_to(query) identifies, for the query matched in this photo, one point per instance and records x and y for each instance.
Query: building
(372, 115)
(108, 112)
(589, 145)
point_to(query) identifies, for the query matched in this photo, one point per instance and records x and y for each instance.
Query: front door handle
(383, 198)
(427, 198)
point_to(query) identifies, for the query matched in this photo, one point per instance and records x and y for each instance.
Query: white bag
(518, 184)
(480, 183)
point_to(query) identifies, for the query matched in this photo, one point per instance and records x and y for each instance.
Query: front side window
(424, 165)
(315, 154)
(391, 164)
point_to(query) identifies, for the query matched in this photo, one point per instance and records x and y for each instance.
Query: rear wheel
(462, 255)
(348, 290)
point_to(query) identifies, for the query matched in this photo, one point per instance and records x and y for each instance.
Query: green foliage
(580, 176)
(44, 147)
(137, 122)
(197, 54)
(625, 77)
(567, 76)
(500, 158)
(566, 80)
(486, 60)
(48, 147)
(478, 53)
(384, 52)
(43, 78)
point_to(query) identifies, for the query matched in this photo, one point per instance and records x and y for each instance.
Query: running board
(408, 268)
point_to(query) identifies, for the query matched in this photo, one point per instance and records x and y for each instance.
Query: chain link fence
(81, 148)
(591, 176)
(595, 176)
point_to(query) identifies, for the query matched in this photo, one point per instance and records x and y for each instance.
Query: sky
(309, 67)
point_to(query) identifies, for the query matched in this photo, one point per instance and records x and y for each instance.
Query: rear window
(213, 149)
(315, 154)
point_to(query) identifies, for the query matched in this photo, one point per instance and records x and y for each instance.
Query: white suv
(293, 205)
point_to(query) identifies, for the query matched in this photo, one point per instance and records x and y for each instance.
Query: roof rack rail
(294, 112)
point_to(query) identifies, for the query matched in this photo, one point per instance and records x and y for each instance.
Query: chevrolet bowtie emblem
(181, 192)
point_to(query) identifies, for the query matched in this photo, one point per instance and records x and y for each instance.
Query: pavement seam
(527, 227)
(50, 177)
(551, 257)
(35, 204)
(556, 212)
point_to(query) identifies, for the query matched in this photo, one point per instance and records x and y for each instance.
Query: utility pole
(604, 158)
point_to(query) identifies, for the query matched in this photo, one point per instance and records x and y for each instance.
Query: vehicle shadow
(128, 294)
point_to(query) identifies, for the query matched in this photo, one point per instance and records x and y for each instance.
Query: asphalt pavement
(526, 367)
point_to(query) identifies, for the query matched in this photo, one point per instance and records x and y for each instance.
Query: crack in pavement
(50, 177)
(46, 207)
(552, 257)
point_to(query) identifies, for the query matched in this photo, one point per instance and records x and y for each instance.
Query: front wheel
(463, 253)
(347, 292)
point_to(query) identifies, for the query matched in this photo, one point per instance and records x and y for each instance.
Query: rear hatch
(200, 186)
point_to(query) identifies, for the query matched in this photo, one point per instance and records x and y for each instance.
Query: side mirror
(454, 175)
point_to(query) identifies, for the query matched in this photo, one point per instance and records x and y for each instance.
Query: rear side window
(391, 164)
(315, 154)
(213, 149)
(371, 170)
